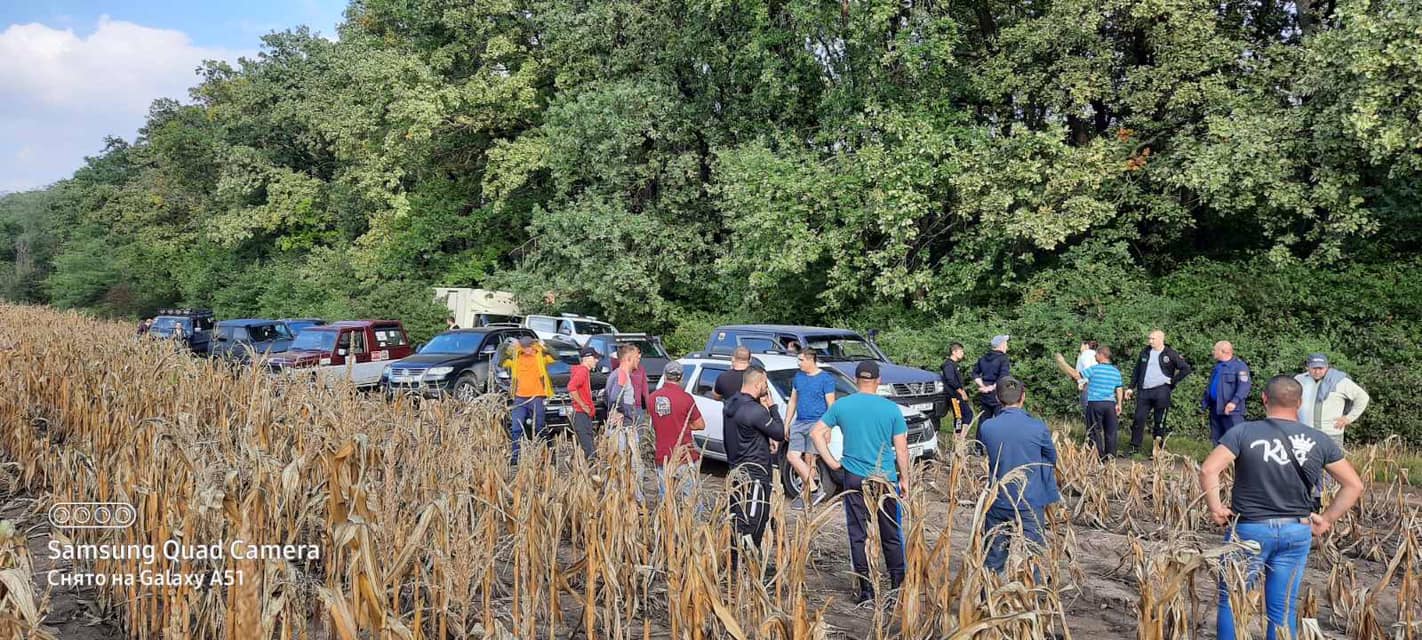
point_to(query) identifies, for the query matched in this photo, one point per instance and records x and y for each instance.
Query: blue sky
(74, 71)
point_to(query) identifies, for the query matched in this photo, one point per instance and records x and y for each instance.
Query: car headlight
(439, 372)
(938, 386)
(885, 390)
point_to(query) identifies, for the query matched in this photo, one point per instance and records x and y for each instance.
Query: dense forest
(1054, 169)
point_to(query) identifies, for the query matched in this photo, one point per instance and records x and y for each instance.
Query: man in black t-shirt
(729, 383)
(1277, 462)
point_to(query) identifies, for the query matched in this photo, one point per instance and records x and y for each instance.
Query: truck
(351, 350)
(239, 340)
(191, 327)
(478, 307)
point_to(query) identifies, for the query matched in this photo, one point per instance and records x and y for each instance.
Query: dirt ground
(1102, 606)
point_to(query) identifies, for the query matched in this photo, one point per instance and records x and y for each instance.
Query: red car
(353, 350)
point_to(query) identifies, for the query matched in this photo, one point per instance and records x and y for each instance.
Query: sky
(75, 71)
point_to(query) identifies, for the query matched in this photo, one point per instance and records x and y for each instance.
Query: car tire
(467, 388)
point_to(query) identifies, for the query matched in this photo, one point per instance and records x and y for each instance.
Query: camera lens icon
(92, 515)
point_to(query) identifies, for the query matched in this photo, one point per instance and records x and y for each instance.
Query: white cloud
(60, 93)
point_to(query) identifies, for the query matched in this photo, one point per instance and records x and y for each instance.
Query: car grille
(406, 372)
(921, 431)
(913, 388)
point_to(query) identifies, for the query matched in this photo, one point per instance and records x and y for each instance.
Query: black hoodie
(749, 427)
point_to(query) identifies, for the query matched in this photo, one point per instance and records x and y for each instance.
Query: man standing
(1085, 359)
(1016, 440)
(958, 402)
(449, 323)
(627, 405)
(1277, 462)
(1331, 400)
(1227, 392)
(811, 394)
(993, 366)
(729, 383)
(674, 417)
(580, 391)
(530, 386)
(751, 423)
(875, 444)
(1158, 369)
(1103, 401)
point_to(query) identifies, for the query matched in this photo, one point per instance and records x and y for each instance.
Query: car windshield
(649, 349)
(783, 379)
(314, 341)
(296, 326)
(845, 347)
(464, 343)
(165, 324)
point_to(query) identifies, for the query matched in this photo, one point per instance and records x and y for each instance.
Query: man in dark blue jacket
(993, 366)
(1017, 442)
(1227, 391)
(751, 423)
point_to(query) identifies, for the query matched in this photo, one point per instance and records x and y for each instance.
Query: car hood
(427, 360)
(889, 373)
(299, 355)
(271, 346)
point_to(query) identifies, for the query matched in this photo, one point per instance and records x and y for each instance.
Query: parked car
(840, 349)
(558, 410)
(568, 326)
(699, 378)
(297, 324)
(452, 364)
(238, 340)
(192, 326)
(654, 355)
(353, 350)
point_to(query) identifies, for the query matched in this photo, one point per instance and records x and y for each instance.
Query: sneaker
(820, 496)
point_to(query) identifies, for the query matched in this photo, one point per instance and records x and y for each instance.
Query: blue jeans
(1033, 519)
(523, 409)
(1283, 555)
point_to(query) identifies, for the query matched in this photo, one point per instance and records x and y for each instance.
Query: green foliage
(1223, 169)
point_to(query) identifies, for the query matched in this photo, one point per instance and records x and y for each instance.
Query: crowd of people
(1280, 462)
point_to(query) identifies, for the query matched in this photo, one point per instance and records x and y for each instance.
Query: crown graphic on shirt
(1301, 444)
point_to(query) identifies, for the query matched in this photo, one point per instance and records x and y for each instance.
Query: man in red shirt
(580, 390)
(674, 417)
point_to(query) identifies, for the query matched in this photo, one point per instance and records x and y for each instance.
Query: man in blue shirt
(1104, 387)
(1019, 444)
(1227, 392)
(875, 445)
(811, 394)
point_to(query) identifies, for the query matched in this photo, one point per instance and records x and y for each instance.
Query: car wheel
(467, 388)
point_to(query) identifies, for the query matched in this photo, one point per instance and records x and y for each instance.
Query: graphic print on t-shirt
(1274, 449)
(662, 406)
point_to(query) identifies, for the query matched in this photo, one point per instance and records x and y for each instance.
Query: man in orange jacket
(530, 386)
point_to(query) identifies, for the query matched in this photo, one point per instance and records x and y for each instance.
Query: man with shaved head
(1158, 370)
(1227, 392)
(729, 383)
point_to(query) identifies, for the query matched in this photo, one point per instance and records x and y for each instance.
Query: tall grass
(425, 531)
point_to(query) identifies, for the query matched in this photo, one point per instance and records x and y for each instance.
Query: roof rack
(183, 311)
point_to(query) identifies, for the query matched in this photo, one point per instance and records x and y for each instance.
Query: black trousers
(583, 428)
(1150, 403)
(1101, 430)
(891, 540)
(990, 406)
(750, 509)
(961, 411)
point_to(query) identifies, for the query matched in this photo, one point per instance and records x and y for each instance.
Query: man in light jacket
(1331, 400)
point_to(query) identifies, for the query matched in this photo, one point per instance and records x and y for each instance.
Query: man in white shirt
(1085, 360)
(1331, 400)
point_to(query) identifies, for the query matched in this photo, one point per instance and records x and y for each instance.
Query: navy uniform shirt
(1229, 382)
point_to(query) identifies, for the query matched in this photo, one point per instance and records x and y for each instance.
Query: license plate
(924, 407)
(402, 378)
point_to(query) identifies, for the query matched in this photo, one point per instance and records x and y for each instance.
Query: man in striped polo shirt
(1103, 400)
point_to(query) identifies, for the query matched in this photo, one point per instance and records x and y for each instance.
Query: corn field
(424, 531)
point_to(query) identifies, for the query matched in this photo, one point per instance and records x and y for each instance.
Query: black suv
(558, 410)
(237, 340)
(458, 364)
(193, 327)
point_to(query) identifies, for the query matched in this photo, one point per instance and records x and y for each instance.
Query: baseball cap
(1316, 360)
(587, 352)
(525, 341)
(673, 368)
(999, 340)
(867, 370)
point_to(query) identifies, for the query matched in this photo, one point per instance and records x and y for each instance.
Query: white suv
(568, 326)
(699, 377)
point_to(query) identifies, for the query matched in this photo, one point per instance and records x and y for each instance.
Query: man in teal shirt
(875, 444)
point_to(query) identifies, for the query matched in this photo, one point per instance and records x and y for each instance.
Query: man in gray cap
(993, 366)
(1331, 400)
(674, 417)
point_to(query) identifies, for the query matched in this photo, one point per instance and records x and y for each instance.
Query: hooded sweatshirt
(1328, 399)
(749, 427)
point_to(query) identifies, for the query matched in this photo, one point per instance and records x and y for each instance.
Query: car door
(711, 440)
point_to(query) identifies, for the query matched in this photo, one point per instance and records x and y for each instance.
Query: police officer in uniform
(1227, 391)
(1158, 370)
